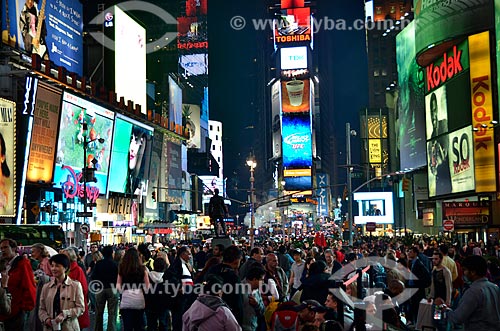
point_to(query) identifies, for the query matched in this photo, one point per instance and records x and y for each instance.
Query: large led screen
(131, 155)
(171, 171)
(175, 102)
(276, 120)
(44, 134)
(130, 59)
(374, 207)
(60, 33)
(194, 64)
(295, 95)
(154, 170)
(71, 141)
(440, 20)
(293, 58)
(293, 26)
(451, 163)
(410, 110)
(297, 141)
(299, 183)
(193, 125)
(7, 154)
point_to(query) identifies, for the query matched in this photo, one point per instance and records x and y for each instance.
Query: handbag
(425, 317)
(132, 299)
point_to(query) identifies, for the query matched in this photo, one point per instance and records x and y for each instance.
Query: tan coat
(72, 303)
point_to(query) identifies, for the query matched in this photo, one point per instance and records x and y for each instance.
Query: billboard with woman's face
(130, 158)
(7, 164)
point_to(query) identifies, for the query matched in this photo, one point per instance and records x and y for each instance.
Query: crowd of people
(378, 284)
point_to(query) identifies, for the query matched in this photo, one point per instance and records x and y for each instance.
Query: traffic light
(153, 196)
(406, 185)
(345, 193)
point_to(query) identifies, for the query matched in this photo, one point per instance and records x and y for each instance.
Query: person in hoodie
(157, 309)
(209, 312)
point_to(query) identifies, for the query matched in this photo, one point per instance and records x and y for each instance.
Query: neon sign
(72, 186)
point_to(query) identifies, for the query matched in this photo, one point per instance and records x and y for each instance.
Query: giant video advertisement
(60, 33)
(44, 134)
(131, 156)
(448, 122)
(297, 141)
(276, 118)
(442, 20)
(193, 125)
(171, 171)
(293, 26)
(175, 102)
(130, 47)
(7, 158)
(410, 109)
(154, 171)
(71, 141)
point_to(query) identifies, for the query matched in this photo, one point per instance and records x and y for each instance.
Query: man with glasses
(21, 285)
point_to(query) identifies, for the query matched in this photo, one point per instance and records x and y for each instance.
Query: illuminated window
(376, 73)
(393, 9)
(378, 10)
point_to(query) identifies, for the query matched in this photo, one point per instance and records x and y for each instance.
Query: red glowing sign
(72, 186)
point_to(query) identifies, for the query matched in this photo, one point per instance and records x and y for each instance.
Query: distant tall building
(382, 18)
(215, 135)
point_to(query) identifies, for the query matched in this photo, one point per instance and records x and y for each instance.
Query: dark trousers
(110, 297)
(220, 220)
(133, 319)
(158, 319)
(16, 322)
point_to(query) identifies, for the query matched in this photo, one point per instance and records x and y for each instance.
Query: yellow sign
(296, 172)
(375, 150)
(482, 112)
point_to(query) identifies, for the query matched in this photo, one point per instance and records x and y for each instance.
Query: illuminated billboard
(451, 163)
(154, 170)
(374, 207)
(293, 26)
(171, 171)
(130, 59)
(210, 183)
(193, 125)
(44, 134)
(295, 95)
(194, 64)
(410, 101)
(70, 144)
(130, 157)
(175, 102)
(276, 118)
(297, 140)
(293, 58)
(7, 155)
(60, 32)
(442, 20)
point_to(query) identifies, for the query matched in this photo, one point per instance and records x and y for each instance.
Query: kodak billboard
(482, 111)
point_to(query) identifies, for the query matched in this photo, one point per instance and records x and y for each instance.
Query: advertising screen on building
(440, 20)
(70, 144)
(154, 171)
(194, 64)
(8, 168)
(295, 95)
(451, 163)
(210, 183)
(44, 134)
(193, 125)
(293, 26)
(298, 183)
(374, 207)
(293, 58)
(130, 48)
(411, 122)
(131, 156)
(60, 32)
(171, 171)
(276, 118)
(175, 102)
(297, 141)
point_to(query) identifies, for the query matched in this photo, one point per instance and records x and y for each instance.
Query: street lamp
(252, 163)
(349, 133)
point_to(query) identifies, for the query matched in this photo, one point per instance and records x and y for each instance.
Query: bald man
(275, 279)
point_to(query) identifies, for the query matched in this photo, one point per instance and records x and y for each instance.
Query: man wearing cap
(306, 312)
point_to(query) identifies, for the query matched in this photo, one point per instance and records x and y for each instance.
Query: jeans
(158, 319)
(133, 319)
(106, 295)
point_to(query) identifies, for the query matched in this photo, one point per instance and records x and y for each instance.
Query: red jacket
(22, 287)
(76, 273)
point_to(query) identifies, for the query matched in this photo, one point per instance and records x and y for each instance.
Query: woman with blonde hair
(76, 273)
(40, 253)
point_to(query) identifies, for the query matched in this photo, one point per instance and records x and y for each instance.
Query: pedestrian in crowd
(21, 285)
(332, 265)
(315, 287)
(307, 312)
(296, 271)
(441, 285)
(88, 258)
(132, 281)
(106, 272)
(96, 256)
(42, 274)
(478, 308)
(284, 260)
(420, 279)
(255, 259)
(228, 271)
(448, 262)
(76, 273)
(145, 254)
(253, 305)
(210, 312)
(5, 298)
(40, 253)
(200, 277)
(62, 299)
(158, 301)
(199, 258)
(118, 255)
(275, 279)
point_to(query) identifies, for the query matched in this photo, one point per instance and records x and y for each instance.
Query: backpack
(285, 318)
